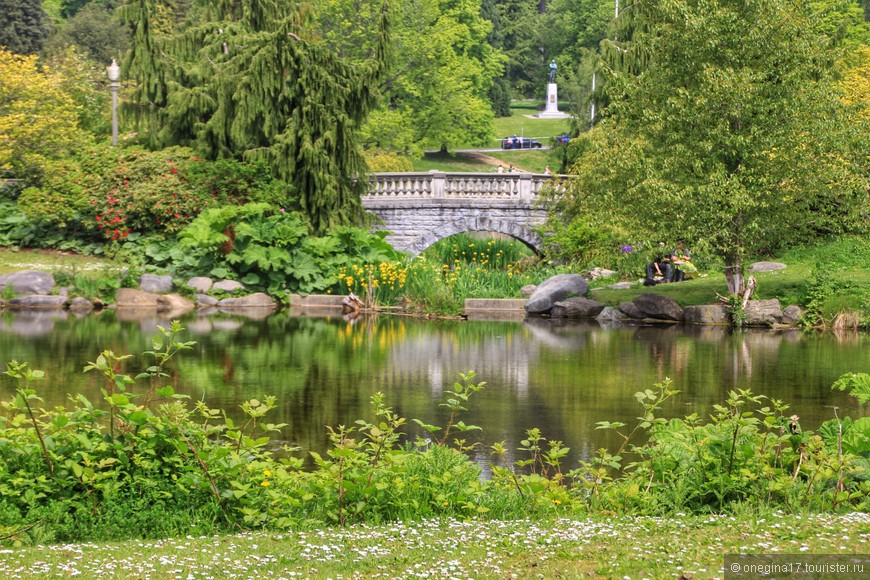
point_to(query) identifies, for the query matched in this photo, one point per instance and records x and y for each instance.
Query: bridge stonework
(418, 209)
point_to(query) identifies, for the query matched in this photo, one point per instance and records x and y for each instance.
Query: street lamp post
(114, 72)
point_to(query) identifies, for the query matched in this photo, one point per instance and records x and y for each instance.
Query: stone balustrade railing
(502, 186)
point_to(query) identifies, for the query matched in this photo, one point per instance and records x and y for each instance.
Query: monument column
(551, 108)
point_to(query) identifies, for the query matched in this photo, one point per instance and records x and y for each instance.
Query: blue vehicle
(562, 139)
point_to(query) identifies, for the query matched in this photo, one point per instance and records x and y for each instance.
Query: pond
(562, 377)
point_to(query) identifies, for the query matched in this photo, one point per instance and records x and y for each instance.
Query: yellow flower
(265, 484)
(446, 504)
(267, 473)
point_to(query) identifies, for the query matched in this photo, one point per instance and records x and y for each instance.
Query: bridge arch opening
(511, 229)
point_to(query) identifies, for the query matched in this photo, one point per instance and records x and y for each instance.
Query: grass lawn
(595, 547)
(520, 124)
(450, 162)
(533, 160)
(49, 261)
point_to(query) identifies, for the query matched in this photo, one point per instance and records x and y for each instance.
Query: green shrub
(387, 161)
(144, 463)
(108, 194)
(270, 249)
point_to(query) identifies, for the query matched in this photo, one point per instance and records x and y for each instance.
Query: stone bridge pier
(418, 209)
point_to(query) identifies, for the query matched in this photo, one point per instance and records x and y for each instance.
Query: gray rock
(763, 312)
(792, 314)
(630, 310)
(658, 307)
(36, 302)
(611, 314)
(709, 314)
(133, 298)
(555, 289)
(204, 300)
(227, 286)
(621, 286)
(28, 282)
(527, 290)
(576, 307)
(174, 303)
(766, 266)
(80, 305)
(256, 300)
(201, 284)
(596, 273)
(155, 283)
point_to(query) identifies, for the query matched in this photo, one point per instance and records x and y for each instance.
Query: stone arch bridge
(421, 208)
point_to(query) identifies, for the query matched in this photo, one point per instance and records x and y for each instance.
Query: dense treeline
(742, 135)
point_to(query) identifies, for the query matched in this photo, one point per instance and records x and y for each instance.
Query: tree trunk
(734, 275)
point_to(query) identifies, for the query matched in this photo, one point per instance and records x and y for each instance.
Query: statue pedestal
(551, 110)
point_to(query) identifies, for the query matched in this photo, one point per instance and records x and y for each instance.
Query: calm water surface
(561, 377)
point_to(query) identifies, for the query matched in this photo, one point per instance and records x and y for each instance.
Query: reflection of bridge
(421, 208)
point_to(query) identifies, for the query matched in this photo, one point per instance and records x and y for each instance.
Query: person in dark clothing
(659, 270)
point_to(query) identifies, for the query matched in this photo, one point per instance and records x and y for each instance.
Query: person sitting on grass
(681, 266)
(659, 270)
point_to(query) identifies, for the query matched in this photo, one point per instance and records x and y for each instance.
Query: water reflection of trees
(560, 376)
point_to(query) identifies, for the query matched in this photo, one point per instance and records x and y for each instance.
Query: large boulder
(134, 298)
(80, 305)
(201, 284)
(763, 312)
(155, 283)
(174, 303)
(610, 314)
(710, 314)
(36, 302)
(228, 286)
(766, 266)
(256, 300)
(658, 307)
(630, 310)
(28, 282)
(792, 314)
(576, 307)
(204, 300)
(596, 273)
(553, 290)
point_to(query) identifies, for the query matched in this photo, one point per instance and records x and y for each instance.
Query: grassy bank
(830, 278)
(50, 261)
(596, 547)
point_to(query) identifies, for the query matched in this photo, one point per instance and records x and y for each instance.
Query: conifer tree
(243, 79)
(24, 26)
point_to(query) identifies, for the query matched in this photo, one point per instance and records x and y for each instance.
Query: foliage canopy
(244, 80)
(723, 128)
(38, 119)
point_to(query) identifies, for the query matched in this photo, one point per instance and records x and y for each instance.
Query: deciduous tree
(439, 74)
(723, 128)
(37, 117)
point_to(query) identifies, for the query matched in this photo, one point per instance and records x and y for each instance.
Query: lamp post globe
(114, 73)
